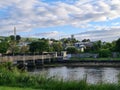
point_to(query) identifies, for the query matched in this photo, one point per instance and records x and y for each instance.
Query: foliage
(86, 40)
(70, 41)
(96, 46)
(24, 49)
(17, 38)
(72, 50)
(39, 46)
(12, 37)
(14, 88)
(13, 48)
(16, 78)
(57, 46)
(104, 53)
(118, 45)
(4, 47)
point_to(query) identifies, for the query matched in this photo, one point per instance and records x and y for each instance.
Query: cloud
(52, 34)
(44, 14)
(29, 14)
(104, 35)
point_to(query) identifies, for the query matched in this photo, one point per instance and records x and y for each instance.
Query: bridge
(29, 60)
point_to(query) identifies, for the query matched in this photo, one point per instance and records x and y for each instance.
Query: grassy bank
(15, 88)
(10, 78)
(76, 58)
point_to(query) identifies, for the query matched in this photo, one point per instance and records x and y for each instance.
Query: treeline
(17, 45)
(104, 49)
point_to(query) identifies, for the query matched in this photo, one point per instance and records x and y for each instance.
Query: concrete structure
(63, 53)
(85, 55)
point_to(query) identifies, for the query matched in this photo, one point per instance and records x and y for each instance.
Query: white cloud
(30, 14)
(105, 35)
(52, 34)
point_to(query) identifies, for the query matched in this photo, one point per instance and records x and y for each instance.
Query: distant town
(15, 44)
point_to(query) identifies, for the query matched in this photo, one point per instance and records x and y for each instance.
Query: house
(83, 45)
(23, 44)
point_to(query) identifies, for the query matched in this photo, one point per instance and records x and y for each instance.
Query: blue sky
(93, 19)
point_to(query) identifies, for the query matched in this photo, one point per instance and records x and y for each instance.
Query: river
(93, 75)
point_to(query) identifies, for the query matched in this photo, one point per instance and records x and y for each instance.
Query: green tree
(12, 37)
(13, 48)
(24, 49)
(4, 47)
(118, 45)
(72, 50)
(104, 53)
(39, 46)
(96, 46)
(57, 46)
(86, 40)
(113, 47)
(107, 45)
(18, 38)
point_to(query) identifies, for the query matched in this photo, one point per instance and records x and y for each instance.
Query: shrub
(104, 53)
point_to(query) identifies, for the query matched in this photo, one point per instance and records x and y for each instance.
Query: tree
(13, 48)
(4, 47)
(18, 37)
(104, 53)
(72, 50)
(57, 46)
(113, 47)
(86, 40)
(107, 45)
(24, 49)
(12, 37)
(38, 46)
(96, 46)
(118, 45)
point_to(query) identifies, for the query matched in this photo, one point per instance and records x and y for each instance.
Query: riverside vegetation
(13, 79)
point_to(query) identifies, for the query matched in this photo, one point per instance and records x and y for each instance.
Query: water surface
(93, 75)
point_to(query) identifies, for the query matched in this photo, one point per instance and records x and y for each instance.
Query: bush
(104, 53)
(72, 50)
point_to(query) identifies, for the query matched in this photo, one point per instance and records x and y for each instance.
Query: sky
(85, 19)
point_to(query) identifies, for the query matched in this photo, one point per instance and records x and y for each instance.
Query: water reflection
(92, 75)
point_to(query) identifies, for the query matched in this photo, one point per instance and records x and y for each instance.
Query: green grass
(14, 79)
(75, 58)
(15, 88)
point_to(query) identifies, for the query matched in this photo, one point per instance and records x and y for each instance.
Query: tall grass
(13, 77)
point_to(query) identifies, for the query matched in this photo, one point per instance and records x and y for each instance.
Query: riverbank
(86, 62)
(68, 87)
(76, 58)
(15, 88)
(18, 80)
